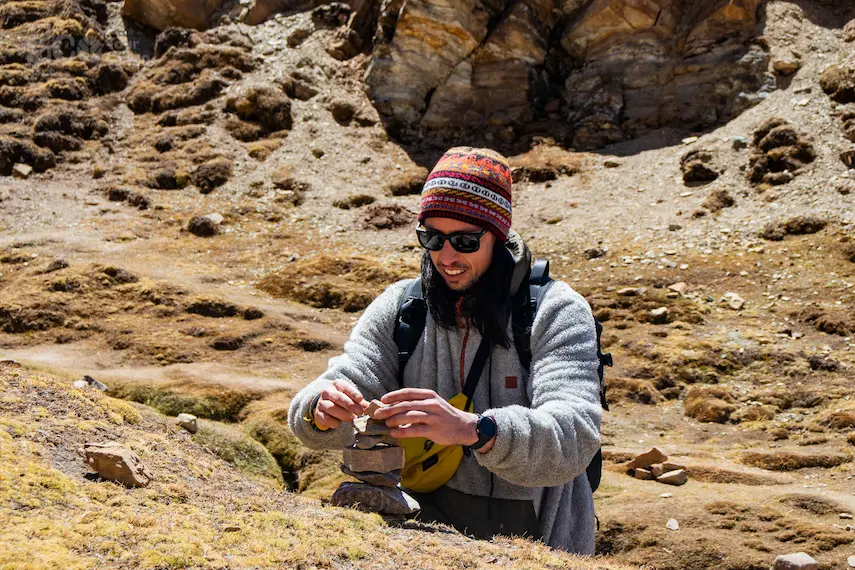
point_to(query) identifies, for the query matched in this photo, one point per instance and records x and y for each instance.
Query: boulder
(114, 462)
(95, 384)
(797, 561)
(383, 500)
(659, 316)
(188, 422)
(678, 477)
(377, 459)
(647, 459)
(162, 14)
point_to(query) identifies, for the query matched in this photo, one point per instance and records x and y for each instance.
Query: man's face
(460, 270)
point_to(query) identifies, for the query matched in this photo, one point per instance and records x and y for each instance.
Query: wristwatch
(485, 428)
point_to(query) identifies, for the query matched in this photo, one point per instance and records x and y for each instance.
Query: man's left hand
(414, 412)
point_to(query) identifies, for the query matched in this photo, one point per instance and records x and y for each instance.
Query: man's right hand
(339, 402)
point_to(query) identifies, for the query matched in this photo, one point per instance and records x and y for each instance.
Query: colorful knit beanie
(472, 185)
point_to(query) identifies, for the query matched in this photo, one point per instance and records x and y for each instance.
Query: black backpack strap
(475, 371)
(524, 307)
(605, 360)
(409, 325)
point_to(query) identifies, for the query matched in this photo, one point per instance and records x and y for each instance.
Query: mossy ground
(199, 511)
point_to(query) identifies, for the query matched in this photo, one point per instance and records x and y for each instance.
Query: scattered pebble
(672, 524)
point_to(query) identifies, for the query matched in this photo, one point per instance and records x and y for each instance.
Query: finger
(326, 420)
(351, 392)
(427, 406)
(342, 400)
(416, 430)
(331, 409)
(414, 417)
(406, 394)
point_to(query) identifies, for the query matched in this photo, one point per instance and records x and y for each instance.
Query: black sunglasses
(463, 242)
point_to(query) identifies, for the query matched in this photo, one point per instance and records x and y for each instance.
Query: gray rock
(114, 462)
(378, 459)
(188, 422)
(383, 500)
(368, 441)
(797, 561)
(390, 479)
(95, 384)
(659, 316)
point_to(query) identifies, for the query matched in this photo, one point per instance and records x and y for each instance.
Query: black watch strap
(486, 430)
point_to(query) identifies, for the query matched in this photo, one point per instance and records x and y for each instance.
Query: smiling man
(498, 428)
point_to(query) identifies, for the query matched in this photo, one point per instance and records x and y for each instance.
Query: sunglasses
(463, 242)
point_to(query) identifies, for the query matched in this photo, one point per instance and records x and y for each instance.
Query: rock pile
(653, 465)
(376, 460)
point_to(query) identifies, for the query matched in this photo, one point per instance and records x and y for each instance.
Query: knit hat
(472, 185)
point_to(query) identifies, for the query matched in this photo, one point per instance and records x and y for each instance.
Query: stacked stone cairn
(653, 465)
(376, 460)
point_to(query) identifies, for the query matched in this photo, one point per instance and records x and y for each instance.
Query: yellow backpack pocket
(428, 466)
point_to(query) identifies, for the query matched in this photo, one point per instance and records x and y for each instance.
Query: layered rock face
(591, 72)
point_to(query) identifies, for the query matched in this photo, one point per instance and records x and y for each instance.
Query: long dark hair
(487, 302)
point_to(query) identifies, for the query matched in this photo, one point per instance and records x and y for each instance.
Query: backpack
(412, 318)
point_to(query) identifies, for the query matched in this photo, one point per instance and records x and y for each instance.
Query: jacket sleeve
(552, 442)
(369, 362)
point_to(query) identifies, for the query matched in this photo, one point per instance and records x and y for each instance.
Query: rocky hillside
(196, 218)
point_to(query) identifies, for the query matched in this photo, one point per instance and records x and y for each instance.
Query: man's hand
(413, 412)
(339, 402)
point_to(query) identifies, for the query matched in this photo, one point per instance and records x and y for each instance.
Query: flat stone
(845, 515)
(671, 466)
(373, 407)
(188, 422)
(646, 459)
(369, 441)
(643, 474)
(678, 477)
(368, 426)
(114, 462)
(629, 292)
(383, 500)
(378, 459)
(22, 171)
(797, 561)
(390, 479)
(851, 561)
(682, 287)
(80, 384)
(672, 524)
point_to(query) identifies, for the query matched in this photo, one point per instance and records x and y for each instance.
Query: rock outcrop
(592, 73)
(162, 14)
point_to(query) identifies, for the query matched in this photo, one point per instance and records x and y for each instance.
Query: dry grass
(199, 512)
(349, 284)
(789, 461)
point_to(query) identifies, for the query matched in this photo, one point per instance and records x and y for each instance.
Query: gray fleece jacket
(548, 425)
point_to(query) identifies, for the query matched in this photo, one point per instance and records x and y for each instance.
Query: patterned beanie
(472, 185)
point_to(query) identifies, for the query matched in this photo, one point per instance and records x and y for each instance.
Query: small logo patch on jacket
(511, 382)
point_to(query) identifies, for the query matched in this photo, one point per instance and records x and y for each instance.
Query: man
(532, 431)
